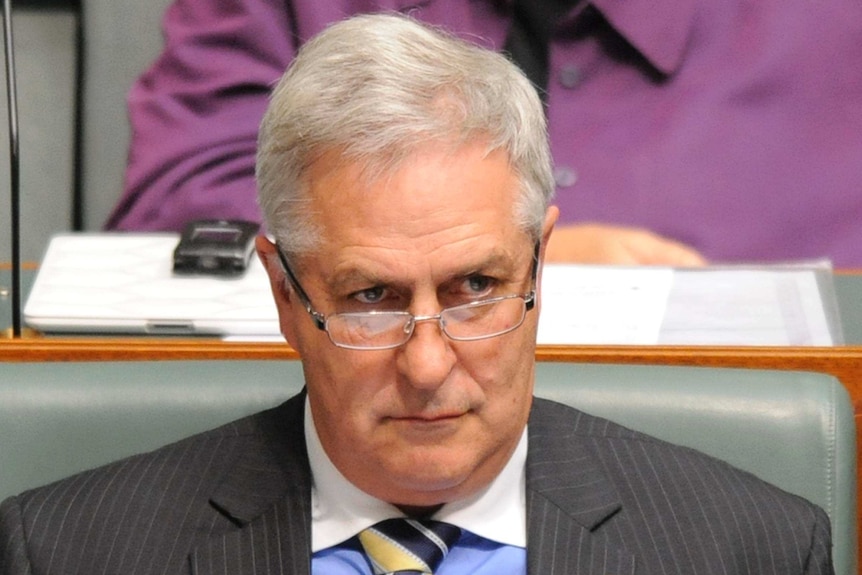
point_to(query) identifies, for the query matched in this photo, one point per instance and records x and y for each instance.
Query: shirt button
(570, 77)
(565, 177)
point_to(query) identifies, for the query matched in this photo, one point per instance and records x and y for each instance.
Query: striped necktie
(408, 545)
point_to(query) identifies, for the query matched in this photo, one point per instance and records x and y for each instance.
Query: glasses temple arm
(319, 318)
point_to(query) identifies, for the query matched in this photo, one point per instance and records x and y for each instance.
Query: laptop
(123, 283)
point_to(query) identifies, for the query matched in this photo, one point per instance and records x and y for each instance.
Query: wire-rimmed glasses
(377, 330)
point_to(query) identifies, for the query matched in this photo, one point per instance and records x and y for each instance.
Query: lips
(431, 412)
(428, 418)
(435, 418)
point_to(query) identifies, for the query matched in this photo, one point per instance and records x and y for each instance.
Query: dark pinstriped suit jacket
(601, 499)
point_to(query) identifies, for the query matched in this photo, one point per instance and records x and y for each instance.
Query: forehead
(436, 201)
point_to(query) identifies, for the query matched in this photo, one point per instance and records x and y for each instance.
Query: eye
(478, 285)
(369, 296)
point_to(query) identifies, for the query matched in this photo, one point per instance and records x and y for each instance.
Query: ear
(281, 293)
(551, 216)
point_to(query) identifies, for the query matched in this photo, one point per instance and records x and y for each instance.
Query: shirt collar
(658, 29)
(340, 510)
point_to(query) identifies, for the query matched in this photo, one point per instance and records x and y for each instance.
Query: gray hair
(374, 89)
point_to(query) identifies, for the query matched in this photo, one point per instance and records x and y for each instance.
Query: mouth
(428, 429)
(429, 420)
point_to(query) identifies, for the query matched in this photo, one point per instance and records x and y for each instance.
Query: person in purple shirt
(681, 130)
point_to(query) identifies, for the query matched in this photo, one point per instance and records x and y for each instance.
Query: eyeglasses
(377, 330)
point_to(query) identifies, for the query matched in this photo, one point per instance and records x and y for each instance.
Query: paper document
(779, 305)
(774, 306)
(603, 304)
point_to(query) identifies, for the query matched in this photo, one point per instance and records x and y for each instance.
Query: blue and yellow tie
(408, 545)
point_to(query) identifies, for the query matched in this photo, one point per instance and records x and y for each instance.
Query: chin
(425, 480)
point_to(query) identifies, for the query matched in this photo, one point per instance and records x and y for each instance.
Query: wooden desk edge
(843, 362)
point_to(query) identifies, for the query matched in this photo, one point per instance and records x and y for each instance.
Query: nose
(427, 359)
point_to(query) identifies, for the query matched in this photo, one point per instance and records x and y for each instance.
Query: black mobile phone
(215, 247)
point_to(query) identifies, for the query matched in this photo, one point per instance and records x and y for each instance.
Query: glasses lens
(369, 330)
(484, 319)
(388, 329)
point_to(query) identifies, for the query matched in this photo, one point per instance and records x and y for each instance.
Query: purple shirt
(731, 125)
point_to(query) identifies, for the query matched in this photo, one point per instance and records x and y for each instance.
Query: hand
(606, 244)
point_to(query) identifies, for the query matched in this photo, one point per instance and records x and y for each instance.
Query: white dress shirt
(340, 510)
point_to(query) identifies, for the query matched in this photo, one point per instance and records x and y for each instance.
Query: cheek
(502, 379)
(345, 387)
(502, 365)
(508, 395)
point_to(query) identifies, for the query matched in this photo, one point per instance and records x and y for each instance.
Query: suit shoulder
(181, 452)
(640, 458)
(161, 498)
(687, 509)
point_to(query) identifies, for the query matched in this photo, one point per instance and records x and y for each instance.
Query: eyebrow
(495, 262)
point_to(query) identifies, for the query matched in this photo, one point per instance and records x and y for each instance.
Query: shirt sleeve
(195, 112)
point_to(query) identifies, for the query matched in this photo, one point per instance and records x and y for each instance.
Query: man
(406, 182)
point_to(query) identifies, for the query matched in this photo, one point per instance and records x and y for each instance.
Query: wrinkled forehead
(372, 163)
(429, 184)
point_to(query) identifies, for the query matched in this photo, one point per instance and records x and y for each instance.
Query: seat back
(66, 50)
(121, 38)
(45, 77)
(794, 429)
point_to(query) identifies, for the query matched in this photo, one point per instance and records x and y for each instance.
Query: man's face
(433, 420)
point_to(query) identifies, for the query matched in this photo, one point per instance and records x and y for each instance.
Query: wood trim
(843, 362)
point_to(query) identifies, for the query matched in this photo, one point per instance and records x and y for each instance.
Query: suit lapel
(568, 499)
(275, 542)
(267, 494)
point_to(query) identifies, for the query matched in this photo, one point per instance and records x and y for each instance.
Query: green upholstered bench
(794, 429)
